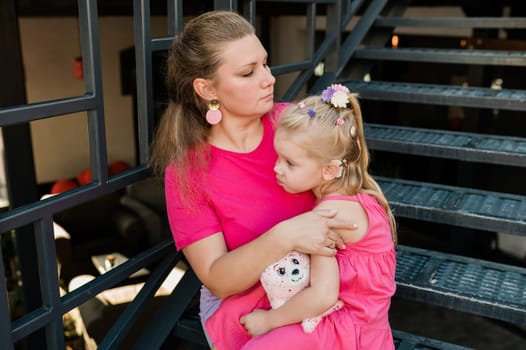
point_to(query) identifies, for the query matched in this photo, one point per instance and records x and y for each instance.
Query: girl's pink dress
(367, 282)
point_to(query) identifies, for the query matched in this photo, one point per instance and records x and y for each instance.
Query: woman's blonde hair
(180, 138)
(331, 133)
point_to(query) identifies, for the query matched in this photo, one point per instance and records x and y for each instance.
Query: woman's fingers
(328, 251)
(336, 240)
(326, 213)
(335, 222)
(339, 223)
(328, 248)
(317, 234)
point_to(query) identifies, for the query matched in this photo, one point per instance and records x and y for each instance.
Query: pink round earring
(213, 115)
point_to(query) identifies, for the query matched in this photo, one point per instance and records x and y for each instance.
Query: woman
(214, 147)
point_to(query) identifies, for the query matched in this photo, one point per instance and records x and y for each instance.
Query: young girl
(321, 147)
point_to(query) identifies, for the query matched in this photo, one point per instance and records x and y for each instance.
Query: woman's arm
(229, 272)
(314, 300)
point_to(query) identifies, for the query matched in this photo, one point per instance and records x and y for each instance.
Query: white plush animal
(285, 278)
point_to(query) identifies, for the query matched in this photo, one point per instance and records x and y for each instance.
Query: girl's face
(295, 170)
(244, 84)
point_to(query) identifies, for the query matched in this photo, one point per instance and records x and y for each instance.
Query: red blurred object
(118, 167)
(84, 177)
(78, 68)
(63, 185)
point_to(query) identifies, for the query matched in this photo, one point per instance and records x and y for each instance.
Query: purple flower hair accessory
(311, 112)
(336, 95)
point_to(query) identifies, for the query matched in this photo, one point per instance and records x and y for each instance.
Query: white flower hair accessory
(336, 95)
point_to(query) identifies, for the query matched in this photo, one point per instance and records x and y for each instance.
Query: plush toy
(287, 277)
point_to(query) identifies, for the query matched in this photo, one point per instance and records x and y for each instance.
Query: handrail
(41, 212)
(130, 315)
(449, 22)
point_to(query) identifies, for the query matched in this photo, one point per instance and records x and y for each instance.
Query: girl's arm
(314, 300)
(226, 273)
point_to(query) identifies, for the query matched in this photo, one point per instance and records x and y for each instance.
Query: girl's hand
(256, 322)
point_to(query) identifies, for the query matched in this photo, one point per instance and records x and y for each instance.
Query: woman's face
(295, 170)
(244, 84)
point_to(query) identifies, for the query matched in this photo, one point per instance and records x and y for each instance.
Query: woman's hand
(313, 232)
(333, 223)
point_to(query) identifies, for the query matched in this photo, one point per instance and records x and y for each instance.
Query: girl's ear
(331, 171)
(204, 88)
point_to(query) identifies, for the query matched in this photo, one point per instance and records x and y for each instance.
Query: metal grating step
(408, 341)
(449, 22)
(464, 207)
(483, 57)
(447, 144)
(440, 94)
(471, 285)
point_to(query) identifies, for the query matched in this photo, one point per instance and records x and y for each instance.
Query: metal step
(458, 56)
(447, 144)
(477, 97)
(475, 286)
(463, 207)
(408, 341)
(452, 22)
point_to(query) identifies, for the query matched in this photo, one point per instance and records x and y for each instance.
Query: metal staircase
(476, 286)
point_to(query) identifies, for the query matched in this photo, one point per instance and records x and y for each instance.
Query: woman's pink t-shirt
(239, 196)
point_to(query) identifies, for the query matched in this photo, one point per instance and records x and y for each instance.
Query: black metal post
(20, 171)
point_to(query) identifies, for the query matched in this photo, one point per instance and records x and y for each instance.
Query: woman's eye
(248, 74)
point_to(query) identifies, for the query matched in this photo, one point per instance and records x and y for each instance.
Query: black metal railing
(40, 213)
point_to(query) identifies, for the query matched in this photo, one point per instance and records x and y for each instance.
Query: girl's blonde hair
(181, 136)
(331, 133)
